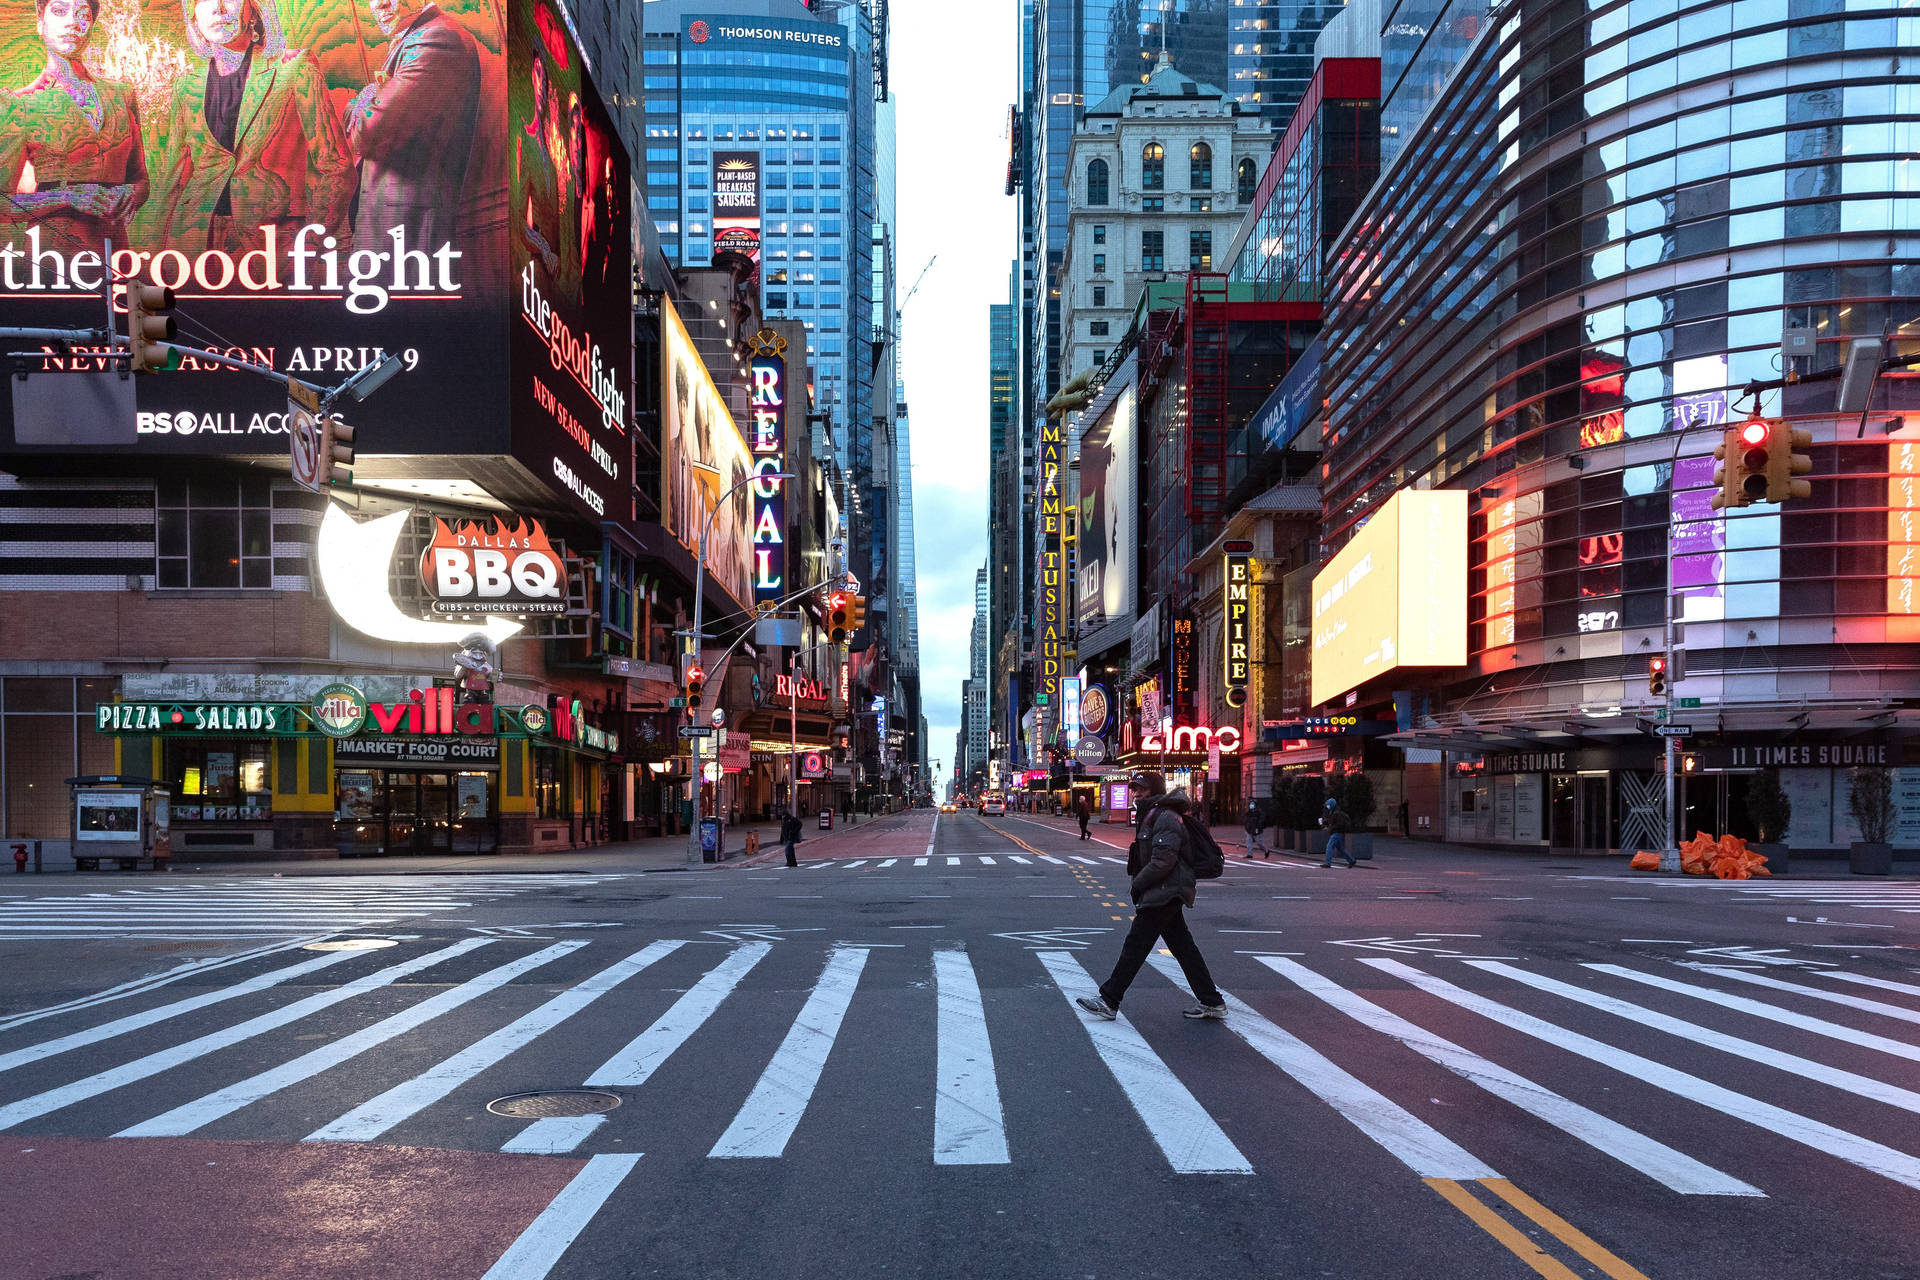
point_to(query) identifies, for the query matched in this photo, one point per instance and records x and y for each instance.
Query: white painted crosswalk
(223, 910)
(1010, 862)
(412, 1043)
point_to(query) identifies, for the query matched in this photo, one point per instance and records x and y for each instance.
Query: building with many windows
(1159, 176)
(1602, 232)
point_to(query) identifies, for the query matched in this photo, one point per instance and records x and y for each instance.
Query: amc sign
(1185, 740)
(513, 570)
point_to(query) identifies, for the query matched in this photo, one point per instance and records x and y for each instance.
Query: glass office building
(1598, 223)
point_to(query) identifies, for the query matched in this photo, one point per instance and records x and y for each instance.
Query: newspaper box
(121, 820)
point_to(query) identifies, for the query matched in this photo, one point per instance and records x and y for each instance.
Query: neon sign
(768, 438)
(1183, 740)
(1236, 661)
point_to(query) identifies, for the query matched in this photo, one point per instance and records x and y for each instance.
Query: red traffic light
(1656, 665)
(1754, 432)
(695, 673)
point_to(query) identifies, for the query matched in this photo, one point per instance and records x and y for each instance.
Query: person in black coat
(790, 836)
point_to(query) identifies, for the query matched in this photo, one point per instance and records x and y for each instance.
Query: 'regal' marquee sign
(767, 437)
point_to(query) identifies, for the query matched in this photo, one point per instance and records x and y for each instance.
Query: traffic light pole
(1670, 855)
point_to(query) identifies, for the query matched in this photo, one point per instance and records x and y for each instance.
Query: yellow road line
(1575, 1239)
(1500, 1229)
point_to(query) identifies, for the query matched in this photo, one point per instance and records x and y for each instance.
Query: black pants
(1084, 819)
(1150, 925)
(790, 858)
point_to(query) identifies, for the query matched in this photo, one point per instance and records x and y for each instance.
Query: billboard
(321, 182)
(1395, 596)
(705, 457)
(1105, 587)
(736, 206)
(316, 182)
(570, 250)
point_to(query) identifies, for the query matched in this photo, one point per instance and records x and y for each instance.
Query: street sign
(695, 731)
(1646, 726)
(303, 444)
(1689, 702)
(1675, 731)
(306, 397)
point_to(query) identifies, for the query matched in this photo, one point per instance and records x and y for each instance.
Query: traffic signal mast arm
(741, 638)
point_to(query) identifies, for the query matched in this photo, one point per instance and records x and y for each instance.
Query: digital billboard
(571, 257)
(320, 182)
(1105, 586)
(316, 182)
(705, 456)
(1395, 596)
(736, 206)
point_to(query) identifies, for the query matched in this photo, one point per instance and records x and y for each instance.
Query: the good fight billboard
(318, 182)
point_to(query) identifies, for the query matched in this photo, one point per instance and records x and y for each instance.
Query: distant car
(993, 808)
(949, 807)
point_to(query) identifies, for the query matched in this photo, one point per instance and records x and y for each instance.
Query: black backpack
(1203, 853)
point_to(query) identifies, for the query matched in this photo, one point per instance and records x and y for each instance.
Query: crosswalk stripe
(377, 1115)
(555, 1135)
(1880, 1007)
(968, 1126)
(1863, 1086)
(140, 986)
(953, 862)
(537, 1249)
(1761, 1009)
(819, 866)
(986, 861)
(1906, 988)
(919, 862)
(772, 1111)
(66, 1095)
(148, 1017)
(858, 862)
(1674, 1169)
(1025, 862)
(1410, 1140)
(636, 1062)
(1862, 1152)
(1179, 1125)
(889, 862)
(201, 1112)
(1118, 862)
(1049, 858)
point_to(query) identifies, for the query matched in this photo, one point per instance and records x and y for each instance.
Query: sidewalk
(1403, 853)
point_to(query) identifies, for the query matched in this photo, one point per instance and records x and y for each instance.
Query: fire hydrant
(19, 859)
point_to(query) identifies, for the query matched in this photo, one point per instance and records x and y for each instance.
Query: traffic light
(1743, 474)
(150, 328)
(1783, 464)
(856, 613)
(838, 617)
(1657, 676)
(1689, 762)
(696, 681)
(336, 451)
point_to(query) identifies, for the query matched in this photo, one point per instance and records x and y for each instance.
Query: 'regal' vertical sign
(767, 438)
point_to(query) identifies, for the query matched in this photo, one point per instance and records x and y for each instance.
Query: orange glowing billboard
(1395, 596)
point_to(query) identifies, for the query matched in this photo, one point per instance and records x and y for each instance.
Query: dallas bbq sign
(512, 570)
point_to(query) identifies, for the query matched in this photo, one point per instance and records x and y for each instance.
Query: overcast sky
(952, 73)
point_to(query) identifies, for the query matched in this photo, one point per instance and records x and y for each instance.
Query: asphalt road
(870, 1066)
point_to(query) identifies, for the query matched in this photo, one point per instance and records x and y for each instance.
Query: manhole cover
(351, 944)
(546, 1104)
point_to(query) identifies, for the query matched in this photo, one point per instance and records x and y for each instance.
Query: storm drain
(351, 944)
(553, 1104)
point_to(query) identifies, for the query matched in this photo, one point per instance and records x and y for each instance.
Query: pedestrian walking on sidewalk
(1256, 823)
(790, 836)
(1334, 822)
(1163, 887)
(1084, 812)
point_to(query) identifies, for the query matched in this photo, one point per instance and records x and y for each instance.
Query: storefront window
(550, 778)
(219, 779)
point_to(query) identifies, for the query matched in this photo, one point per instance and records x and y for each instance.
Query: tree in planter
(1356, 797)
(1870, 801)
(1309, 798)
(1768, 806)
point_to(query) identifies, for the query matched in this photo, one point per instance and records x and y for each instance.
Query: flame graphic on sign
(523, 535)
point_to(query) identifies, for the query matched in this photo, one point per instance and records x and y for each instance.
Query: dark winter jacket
(1256, 819)
(1157, 861)
(1335, 820)
(790, 829)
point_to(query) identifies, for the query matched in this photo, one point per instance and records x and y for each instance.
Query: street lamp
(699, 598)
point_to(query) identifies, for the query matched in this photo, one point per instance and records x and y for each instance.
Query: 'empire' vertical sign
(1052, 566)
(1236, 658)
(768, 438)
